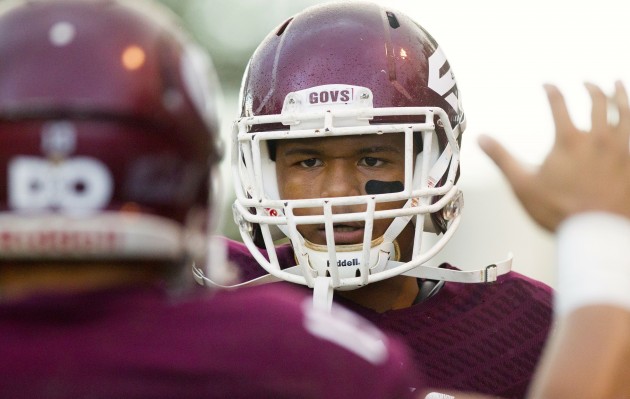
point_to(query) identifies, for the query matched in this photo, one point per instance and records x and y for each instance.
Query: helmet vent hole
(283, 27)
(327, 273)
(393, 21)
(35, 186)
(79, 187)
(358, 273)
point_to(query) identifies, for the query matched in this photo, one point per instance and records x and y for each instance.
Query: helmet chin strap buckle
(486, 274)
(323, 293)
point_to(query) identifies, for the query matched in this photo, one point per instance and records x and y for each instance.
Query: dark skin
(341, 167)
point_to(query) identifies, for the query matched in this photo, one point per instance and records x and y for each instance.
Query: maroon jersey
(137, 342)
(483, 338)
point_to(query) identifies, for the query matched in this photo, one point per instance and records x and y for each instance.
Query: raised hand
(584, 171)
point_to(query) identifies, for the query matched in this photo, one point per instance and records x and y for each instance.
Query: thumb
(509, 166)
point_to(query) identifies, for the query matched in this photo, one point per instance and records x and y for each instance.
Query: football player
(348, 145)
(109, 145)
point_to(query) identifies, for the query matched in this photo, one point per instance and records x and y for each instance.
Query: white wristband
(593, 261)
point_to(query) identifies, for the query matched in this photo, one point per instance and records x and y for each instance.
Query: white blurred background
(501, 53)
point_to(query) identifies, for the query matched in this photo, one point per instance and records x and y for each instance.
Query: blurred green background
(231, 29)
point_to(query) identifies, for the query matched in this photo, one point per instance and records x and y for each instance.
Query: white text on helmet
(74, 185)
(346, 262)
(56, 241)
(444, 84)
(330, 96)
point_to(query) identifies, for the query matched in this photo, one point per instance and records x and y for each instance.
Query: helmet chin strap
(349, 264)
(351, 255)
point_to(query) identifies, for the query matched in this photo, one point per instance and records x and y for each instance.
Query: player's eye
(371, 162)
(310, 163)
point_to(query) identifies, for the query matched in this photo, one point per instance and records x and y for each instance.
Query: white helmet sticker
(327, 98)
(445, 83)
(77, 184)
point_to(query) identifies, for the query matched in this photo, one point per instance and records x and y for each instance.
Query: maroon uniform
(473, 337)
(142, 342)
(348, 145)
(109, 146)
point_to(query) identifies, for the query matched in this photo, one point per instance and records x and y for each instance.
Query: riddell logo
(345, 262)
(330, 96)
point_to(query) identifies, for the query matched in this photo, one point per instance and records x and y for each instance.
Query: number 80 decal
(76, 184)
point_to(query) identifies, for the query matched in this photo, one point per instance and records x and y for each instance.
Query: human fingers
(599, 109)
(529, 187)
(621, 99)
(509, 166)
(561, 117)
(621, 95)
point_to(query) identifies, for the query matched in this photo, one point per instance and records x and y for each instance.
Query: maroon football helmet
(108, 131)
(339, 69)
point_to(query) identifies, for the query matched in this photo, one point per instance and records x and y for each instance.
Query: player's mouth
(345, 233)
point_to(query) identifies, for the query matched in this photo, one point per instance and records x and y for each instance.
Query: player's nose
(341, 180)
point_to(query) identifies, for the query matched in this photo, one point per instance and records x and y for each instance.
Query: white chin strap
(323, 287)
(349, 258)
(349, 264)
(323, 290)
